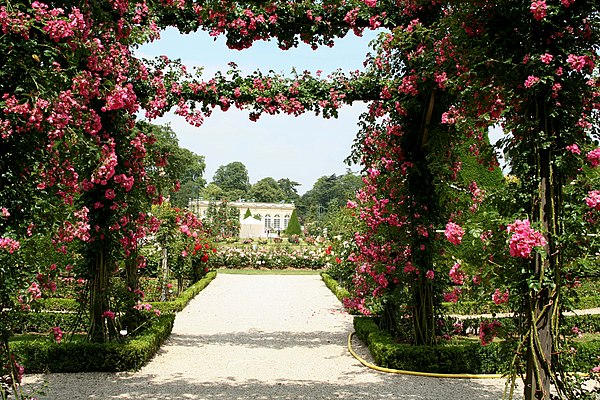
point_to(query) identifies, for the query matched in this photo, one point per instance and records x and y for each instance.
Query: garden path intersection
(260, 337)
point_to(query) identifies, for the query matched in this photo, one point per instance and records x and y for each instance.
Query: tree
(289, 190)
(222, 220)
(233, 179)
(293, 227)
(212, 192)
(266, 191)
(179, 165)
(328, 191)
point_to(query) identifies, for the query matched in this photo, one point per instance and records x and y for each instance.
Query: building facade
(275, 216)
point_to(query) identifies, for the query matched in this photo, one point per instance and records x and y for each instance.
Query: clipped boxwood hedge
(488, 307)
(184, 297)
(58, 304)
(462, 357)
(466, 357)
(44, 355)
(43, 321)
(63, 312)
(340, 292)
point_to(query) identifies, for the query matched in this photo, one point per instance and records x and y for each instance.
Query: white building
(275, 216)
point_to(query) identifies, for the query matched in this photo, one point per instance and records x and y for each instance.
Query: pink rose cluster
(523, 238)
(488, 331)
(57, 333)
(538, 9)
(594, 157)
(499, 297)
(593, 199)
(454, 233)
(457, 275)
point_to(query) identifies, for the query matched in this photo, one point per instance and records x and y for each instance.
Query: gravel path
(260, 337)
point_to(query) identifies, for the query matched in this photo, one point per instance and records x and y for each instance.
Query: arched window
(268, 223)
(277, 223)
(286, 221)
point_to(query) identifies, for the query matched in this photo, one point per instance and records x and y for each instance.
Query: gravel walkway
(260, 337)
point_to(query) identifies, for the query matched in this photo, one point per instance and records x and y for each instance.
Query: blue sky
(299, 148)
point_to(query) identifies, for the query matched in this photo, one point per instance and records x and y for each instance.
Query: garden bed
(39, 353)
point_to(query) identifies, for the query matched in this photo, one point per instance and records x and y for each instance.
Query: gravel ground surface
(260, 337)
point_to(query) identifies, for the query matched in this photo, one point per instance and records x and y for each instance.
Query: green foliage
(340, 292)
(455, 357)
(233, 180)
(288, 187)
(184, 297)
(328, 192)
(212, 192)
(293, 227)
(44, 355)
(222, 220)
(266, 190)
(248, 214)
(44, 321)
(182, 165)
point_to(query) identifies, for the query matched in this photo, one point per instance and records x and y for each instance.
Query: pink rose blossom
(573, 148)
(531, 80)
(457, 275)
(499, 297)
(429, 274)
(594, 157)
(454, 233)
(108, 314)
(524, 239)
(488, 331)
(546, 58)
(593, 199)
(577, 63)
(538, 9)
(58, 333)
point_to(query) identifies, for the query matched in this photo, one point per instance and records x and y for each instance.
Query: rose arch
(438, 78)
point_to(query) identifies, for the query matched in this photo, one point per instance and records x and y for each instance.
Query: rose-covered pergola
(439, 77)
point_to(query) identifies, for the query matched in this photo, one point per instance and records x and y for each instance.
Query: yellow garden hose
(428, 374)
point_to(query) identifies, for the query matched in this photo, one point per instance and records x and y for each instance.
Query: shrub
(340, 292)
(42, 321)
(43, 355)
(186, 296)
(459, 356)
(293, 227)
(294, 239)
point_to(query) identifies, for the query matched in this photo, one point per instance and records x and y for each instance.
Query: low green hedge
(58, 304)
(43, 321)
(44, 355)
(62, 312)
(587, 302)
(452, 358)
(465, 356)
(488, 307)
(588, 323)
(340, 292)
(184, 297)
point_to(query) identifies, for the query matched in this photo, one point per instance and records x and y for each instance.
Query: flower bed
(279, 257)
